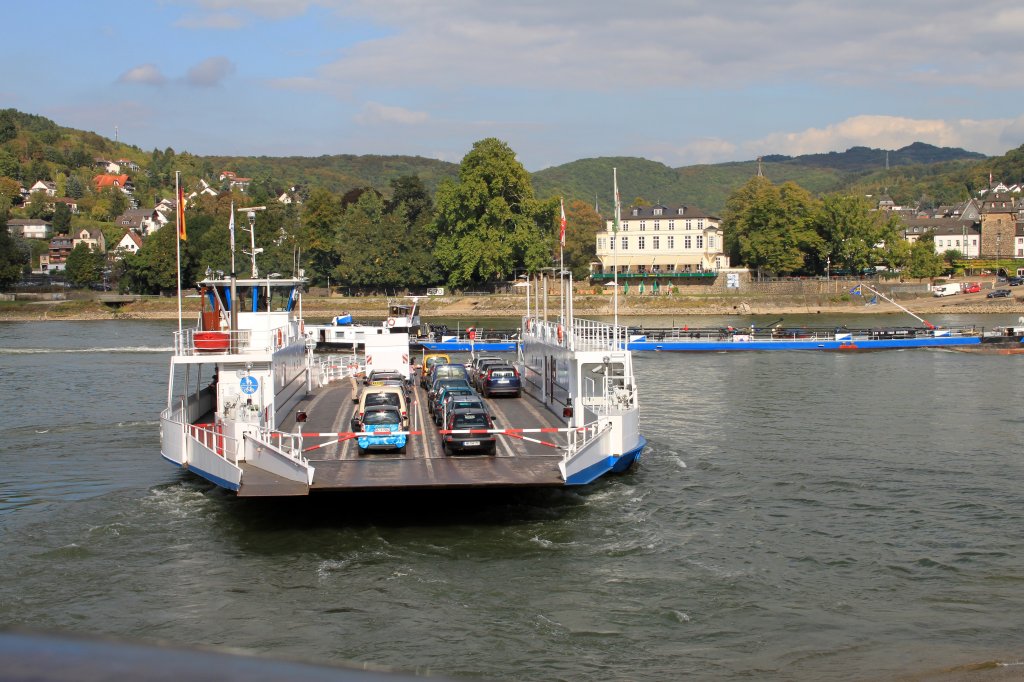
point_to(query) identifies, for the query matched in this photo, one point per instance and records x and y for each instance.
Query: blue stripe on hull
(466, 346)
(610, 464)
(216, 480)
(798, 344)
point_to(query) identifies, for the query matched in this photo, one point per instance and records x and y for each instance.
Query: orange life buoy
(391, 322)
(559, 333)
(280, 338)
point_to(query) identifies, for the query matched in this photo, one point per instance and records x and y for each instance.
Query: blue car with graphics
(383, 427)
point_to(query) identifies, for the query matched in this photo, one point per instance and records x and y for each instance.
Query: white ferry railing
(336, 367)
(211, 343)
(619, 393)
(582, 436)
(583, 334)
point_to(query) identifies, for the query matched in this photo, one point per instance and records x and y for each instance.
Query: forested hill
(33, 148)
(709, 186)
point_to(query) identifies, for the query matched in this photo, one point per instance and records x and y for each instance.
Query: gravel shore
(498, 305)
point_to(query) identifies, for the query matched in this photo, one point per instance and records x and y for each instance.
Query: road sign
(249, 385)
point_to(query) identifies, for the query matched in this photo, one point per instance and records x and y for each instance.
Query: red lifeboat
(211, 341)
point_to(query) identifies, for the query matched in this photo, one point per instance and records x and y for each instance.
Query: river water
(797, 516)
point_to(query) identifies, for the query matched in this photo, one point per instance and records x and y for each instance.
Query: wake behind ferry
(251, 407)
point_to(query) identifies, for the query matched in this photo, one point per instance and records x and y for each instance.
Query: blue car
(382, 421)
(500, 380)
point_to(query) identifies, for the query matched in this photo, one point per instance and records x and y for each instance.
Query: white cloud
(889, 132)
(210, 72)
(613, 46)
(374, 113)
(146, 74)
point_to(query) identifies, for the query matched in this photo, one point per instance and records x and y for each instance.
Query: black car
(1015, 281)
(465, 421)
(999, 293)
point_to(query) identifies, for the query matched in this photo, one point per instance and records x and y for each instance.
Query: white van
(381, 395)
(945, 289)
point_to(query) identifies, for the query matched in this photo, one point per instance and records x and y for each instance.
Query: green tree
(771, 228)
(582, 225)
(488, 223)
(320, 227)
(12, 255)
(852, 231)
(84, 266)
(74, 187)
(374, 245)
(409, 190)
(61, 218)
(40, 205)
(924, 262)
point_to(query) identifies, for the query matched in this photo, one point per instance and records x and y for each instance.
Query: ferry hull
(805, 344)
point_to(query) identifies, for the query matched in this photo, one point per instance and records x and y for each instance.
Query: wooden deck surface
(517, 463)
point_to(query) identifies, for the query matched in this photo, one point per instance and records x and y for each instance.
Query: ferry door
(549, 378)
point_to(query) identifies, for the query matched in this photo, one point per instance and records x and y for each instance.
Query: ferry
(252, 409)
(1005, 340)
(341, 332)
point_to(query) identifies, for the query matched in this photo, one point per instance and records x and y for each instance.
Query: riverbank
(321, 308)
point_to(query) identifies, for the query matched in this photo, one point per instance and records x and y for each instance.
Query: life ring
(559, 333)
(280, 338)
(391, 322)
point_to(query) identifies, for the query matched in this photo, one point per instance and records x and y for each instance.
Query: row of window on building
(688, 242)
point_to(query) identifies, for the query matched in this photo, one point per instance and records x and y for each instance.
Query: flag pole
(615, 267)
(561, 263)
(177, 240)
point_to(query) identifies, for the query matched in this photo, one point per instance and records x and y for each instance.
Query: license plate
(502, 381)
(470, 443)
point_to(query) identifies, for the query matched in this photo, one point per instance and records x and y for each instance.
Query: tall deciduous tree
(84, 266)
(924, 262)
(582, 225)
(320, 229)
(771, 228)
(488, 223)
(854, 235)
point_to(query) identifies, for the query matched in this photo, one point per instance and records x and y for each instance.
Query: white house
(131, 242)
(44, 186)
(661, 241)
(30, 228)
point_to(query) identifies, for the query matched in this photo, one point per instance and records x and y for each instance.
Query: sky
(682, 82)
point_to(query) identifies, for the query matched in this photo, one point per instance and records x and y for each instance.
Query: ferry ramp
(339, 466)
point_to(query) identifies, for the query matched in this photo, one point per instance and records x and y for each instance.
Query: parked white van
(945, 289)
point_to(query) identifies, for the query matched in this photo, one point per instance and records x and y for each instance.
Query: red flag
(561, 234)
(181, 215)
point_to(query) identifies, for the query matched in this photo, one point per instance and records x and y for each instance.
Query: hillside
(709, 186)
(33, 147)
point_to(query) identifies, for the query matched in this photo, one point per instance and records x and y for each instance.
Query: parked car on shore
(999, 293)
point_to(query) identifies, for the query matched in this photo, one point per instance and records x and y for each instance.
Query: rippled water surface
(797, 516)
